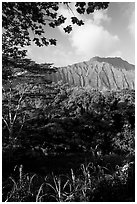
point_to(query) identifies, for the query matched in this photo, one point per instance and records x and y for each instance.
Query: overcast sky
(105, 33)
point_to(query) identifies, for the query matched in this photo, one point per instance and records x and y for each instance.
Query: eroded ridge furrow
(77, 70)
(133, 84)
(96, 70)
(63, 75)
(103, 68)
(82, 76)
(123, 83)
(83, 81)
(67, 75)
(85, 67)
(79, 75)
(73, 81)
(114, 77)
(125, 79)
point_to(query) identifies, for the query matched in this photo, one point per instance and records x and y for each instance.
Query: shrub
(89, 183)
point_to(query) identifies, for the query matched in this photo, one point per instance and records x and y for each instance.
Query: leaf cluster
(24, 22)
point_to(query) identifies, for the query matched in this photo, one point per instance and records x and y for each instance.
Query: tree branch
(22, 125)
(18, 106)
(4, 120)
(69, 8)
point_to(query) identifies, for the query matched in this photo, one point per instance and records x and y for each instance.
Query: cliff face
(101, 73)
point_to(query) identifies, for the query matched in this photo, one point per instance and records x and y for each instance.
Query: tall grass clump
(23, 188)
(89, 183)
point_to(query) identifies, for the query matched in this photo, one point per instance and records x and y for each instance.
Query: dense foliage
(80, 117)
(76, 120)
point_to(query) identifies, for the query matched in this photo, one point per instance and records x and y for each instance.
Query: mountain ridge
(115, 61)
(109, 73)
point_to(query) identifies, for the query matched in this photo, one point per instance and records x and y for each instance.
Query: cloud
(92, 39)
(117, 53)
(99, 16)
(56, 54)
(131, 26)
(128, 12)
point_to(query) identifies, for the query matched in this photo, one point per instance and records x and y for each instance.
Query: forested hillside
(77, 125)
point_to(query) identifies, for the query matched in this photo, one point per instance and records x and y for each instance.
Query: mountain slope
(101, 73)
(115, 62)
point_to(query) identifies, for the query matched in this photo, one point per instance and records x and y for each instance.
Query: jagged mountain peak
(115, 62)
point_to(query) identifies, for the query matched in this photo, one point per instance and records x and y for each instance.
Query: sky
(105, 33)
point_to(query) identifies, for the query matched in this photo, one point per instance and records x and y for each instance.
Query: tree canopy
(19, 19)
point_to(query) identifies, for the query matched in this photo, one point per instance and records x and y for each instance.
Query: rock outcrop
(101, 73)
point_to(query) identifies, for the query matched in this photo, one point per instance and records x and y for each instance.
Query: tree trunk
(11, 143)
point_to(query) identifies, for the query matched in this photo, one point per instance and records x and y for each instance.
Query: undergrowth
(89, 183)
